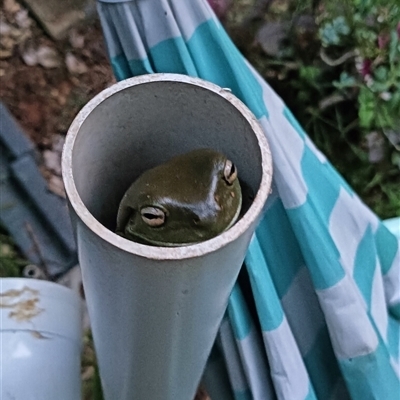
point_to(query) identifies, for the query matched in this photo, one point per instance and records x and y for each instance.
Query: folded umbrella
(316, 313)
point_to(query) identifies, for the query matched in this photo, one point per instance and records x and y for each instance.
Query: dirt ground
(43, 82)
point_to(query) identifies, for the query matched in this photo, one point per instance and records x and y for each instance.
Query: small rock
(52, 160)
(5, 29)
(58, 143)
(29, 55)
(75, 66)
(48, 57)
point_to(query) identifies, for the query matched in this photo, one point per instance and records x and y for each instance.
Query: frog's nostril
(196, 220)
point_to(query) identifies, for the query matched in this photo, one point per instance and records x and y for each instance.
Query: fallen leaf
(29, 56)
(87, 373)
(22, 19)
(64, 90)
(7, 43)
(17, 33)
(5, 250)
(33, 114)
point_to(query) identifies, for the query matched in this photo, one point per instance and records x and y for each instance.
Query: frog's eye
(153, 216)
(230, 172)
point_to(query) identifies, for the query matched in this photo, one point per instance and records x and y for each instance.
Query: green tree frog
(191, 198)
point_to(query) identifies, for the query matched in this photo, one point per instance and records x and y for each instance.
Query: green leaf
(331, 32)
(340, 26)
(366, 111)
(381, 73)
(328, 35)
(379, 87)
(310, 73)
(396, 159)
(345, 81)
(394, 48)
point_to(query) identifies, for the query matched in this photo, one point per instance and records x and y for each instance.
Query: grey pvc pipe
(155, 311)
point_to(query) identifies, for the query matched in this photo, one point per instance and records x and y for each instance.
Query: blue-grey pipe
(155, 311)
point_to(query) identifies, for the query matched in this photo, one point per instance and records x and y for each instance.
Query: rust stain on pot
(38, 335)
(23, 303)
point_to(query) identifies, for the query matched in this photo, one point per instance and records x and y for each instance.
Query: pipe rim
(167, 253)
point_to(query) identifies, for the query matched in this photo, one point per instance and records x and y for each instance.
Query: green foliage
(331, 32)
(342, 81)
(372, 30)
(10, 262)
(345, 81)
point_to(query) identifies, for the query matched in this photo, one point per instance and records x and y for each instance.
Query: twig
(334, 63)
(390, 138)
(330, 101)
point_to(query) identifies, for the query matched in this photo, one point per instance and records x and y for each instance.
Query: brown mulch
(44, 100)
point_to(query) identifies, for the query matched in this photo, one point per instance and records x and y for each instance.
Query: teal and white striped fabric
(316, 314)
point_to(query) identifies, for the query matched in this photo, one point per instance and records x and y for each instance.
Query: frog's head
(191, 198)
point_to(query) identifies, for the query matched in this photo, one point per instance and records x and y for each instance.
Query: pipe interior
(145, 125)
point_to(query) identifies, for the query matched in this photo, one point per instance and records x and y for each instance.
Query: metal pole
(155, 311)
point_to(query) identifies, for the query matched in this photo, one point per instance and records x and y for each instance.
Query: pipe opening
(146, 125)
(143, 122)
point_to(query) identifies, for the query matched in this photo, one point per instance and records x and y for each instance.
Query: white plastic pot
(155, 311)
(40, 341)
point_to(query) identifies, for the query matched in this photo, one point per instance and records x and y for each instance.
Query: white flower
(385, 96)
